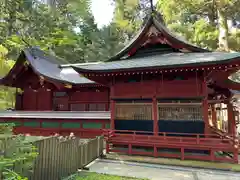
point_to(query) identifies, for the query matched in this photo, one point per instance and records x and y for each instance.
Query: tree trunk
(223, 30)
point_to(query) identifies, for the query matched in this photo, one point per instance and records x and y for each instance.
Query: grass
(176, 162)
(97, 176)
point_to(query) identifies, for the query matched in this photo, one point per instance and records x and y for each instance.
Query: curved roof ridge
(46, 65)
(156, 19)
(129, 45)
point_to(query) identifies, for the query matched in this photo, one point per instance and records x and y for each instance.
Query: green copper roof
(163, 61)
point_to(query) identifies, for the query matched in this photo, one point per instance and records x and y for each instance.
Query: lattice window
(133, 111)
(180, 112)
(101, 107)
(97, 107)
(78, 107)
(92, 107)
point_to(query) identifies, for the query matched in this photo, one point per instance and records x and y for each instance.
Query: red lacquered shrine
(165, 94)
(48, 84)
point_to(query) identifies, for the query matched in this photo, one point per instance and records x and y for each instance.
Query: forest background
(68, 29)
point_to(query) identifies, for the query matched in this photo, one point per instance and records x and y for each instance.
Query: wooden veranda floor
(208, 147)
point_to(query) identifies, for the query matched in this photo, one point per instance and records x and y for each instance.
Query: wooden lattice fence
(61, 157)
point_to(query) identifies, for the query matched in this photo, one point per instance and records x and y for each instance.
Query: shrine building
(163, 86)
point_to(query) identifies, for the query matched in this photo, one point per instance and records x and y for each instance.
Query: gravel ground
(158, 172)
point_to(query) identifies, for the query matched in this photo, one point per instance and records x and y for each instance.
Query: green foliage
(16, 155)
(201, 20)
(7, 95)
(52, 27)
(205, 35)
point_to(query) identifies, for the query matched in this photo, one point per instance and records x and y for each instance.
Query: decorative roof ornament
(69, 86)
(152, 7)
(41, 80)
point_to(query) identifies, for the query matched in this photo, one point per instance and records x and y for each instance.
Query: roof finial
(152, 7)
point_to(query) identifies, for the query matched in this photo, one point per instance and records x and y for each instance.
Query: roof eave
(189, 65)
(50, 79)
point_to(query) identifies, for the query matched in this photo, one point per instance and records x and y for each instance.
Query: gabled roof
(48, 66)
(154, 22)
(162, 61)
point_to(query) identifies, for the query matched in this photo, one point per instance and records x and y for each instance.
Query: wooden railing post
(129, 149)
(212, 156)
(214, 116)
(236, 148)
(164, 136)
(155, 115)
(205, 106)
(198, 139)
(155, 151)
(134, 135)
(231, 120)
(112, 125)
(182, 153)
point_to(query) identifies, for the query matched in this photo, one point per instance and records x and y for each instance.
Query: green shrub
(16, 154)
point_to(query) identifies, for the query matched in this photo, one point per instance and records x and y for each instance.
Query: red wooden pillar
(205, 116)
(112, 105)
(205, 107)
(107, 106)
(155, 115)
(231, 120)
(112, 110)
(214, 116)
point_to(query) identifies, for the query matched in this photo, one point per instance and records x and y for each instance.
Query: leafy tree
(16, 155)
(203, 22)
(7, 95)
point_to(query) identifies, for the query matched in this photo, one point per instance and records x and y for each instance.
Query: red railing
(181, 141)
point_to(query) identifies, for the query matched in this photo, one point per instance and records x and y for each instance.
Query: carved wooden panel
(174, 111)
(133, 111)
